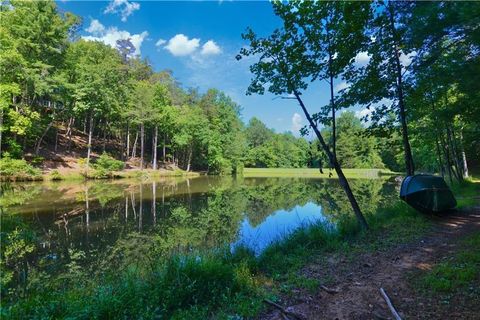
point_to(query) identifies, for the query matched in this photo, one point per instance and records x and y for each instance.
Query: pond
(90, 219)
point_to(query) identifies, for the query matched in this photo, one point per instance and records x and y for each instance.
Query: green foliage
(105, 165)
(17, 169)
(196, 285)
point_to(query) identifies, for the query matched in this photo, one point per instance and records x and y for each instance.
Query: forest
(56, 86)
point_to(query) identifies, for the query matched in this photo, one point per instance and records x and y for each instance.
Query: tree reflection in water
(102, 223)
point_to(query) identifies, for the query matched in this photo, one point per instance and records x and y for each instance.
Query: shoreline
(80, 174)
(292, 272)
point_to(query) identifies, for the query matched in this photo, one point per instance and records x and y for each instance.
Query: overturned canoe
(427, 193)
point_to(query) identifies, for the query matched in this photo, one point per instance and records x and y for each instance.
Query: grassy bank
(215, 284)
(314, 172)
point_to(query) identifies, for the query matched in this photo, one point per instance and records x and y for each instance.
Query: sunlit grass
(314, 172)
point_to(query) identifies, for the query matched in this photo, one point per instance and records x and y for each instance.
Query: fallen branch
(329, 290)
(390, 305)
(284, 311)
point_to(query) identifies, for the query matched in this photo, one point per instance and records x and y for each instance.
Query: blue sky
(198, 41)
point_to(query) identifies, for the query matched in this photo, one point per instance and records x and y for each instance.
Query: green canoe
(427, 193)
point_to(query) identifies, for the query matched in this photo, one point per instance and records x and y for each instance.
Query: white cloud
(296, 122)
(363, 113)
(406, 59)
(342, 85)
(180, 45)
(112, 34)
(210, 48)
(95, 27)
(362, 58)
(160, 42)
(122, 7)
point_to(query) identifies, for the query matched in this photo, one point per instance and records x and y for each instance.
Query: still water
(180, 214)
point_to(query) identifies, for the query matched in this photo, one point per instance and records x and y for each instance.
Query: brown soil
(360, 279)
(65, 158)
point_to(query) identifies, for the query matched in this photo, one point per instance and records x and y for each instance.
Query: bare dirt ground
(358, 280)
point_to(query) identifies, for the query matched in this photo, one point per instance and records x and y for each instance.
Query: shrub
(17, 169)
(105, 165)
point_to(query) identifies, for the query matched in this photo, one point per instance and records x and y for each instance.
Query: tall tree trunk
(447, 156)
(464, 157)
(332, 96)
(105, 136)
(458, 174)
(189, 160)
(142, 136)
(39, 142)
(85, 125)
(341, 177)
(56, 140)
(90, 133)
(409, 164)
(439, 157)
(134, 147)
(127, 145)
(164, 147)
(71, 122)
(458, 158)
(155, 143)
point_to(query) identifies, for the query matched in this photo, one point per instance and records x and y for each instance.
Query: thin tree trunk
(134, 147)
(439, 156)
(85, 125)
(409, 164)
(71, 121)
(90, 133)
(464, 157)
(56, 140)
(341, 177)
(105, 135)
(39, 142)
(458, 160)
(164, 147)
(332, 97)
(155, 143)
(447, 157)
(128, 142)
(142, 135)
(190, 151)
(458, 175)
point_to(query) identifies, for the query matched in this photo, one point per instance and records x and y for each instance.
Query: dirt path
(359, 281)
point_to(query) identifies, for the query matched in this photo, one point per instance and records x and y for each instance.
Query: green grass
(313, 172)
(467, 192)
(456, 272)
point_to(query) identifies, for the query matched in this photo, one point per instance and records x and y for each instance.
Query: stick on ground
(329, 290)
(284, 311)
(390, 305)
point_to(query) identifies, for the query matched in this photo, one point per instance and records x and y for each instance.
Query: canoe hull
(427, 193)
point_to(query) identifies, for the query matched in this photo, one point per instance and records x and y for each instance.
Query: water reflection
(277, 225)
(101, 220)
